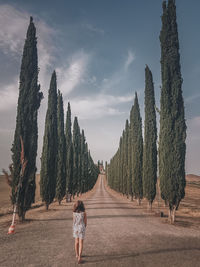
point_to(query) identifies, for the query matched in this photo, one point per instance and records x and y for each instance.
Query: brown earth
(119, 233)
(5, 192)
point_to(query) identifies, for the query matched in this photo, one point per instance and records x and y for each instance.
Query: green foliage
(69, 153)
(76, 156)
(26, 123)
(172, 119)
(124, 173)
(48, 171)
(61, 157)
(150, 137)
(137, 151)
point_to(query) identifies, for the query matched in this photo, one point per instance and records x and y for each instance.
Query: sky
(99, 49)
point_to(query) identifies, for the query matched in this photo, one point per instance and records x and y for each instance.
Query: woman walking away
(79, 225)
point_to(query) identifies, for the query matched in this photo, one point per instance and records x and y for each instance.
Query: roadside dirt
(119, 233)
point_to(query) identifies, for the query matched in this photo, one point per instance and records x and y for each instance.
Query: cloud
(193, 129)
(8, 96)
(12, 36)
(98, 106)
(119, 77)
(190, 99)
(13, 31)
(75, 73)
(129, 60)
(94, 29)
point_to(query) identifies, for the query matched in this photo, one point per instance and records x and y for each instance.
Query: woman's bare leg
(80, 248)
(77, 247)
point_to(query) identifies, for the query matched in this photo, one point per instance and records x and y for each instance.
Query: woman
(79, 225)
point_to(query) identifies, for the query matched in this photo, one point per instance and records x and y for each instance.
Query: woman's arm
(85, 219)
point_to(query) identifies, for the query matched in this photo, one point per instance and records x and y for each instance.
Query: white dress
(78, 225)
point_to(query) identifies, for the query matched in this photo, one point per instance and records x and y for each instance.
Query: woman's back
(78, 218)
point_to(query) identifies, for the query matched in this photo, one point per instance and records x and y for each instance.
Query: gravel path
(118, 234)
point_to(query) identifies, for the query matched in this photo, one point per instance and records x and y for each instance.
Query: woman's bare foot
(77, 256)
(79, 260)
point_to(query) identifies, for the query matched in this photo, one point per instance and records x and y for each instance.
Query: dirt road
(118, 234)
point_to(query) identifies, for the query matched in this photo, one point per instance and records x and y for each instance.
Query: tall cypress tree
(172, 119)
(150, 137)
(76, 157)
(125, 169)
(129, 162)
(86, 167)
(83, 163)
(137, 151)
(61, 157)
(48, 171)
(69, 154)
(93, 172)
(26, 123)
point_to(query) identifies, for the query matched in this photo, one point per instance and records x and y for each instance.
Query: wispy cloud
(12, 36)
(75, 73)
(189, 99)
(94, 29)
(129, 60)
(98, 106)
(119, 77)
(8, 96)
(13, 31)
(193, 129)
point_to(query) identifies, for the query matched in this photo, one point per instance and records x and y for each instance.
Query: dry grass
(5, 192)
(188, 214)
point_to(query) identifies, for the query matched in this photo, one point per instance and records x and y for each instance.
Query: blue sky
(99, 49)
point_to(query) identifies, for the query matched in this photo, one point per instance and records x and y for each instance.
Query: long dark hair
(79, 206)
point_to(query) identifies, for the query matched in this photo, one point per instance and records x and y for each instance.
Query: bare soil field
(5, 192)
(188, 214)
(119, 233)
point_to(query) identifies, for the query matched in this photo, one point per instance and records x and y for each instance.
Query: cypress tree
(26, 123)
(93, 172)
(129, 162)
(125, 169)
(69, 154)
(137, 151)
(172, 119)
(85, 185)
(150, 137)
(61, 157)
(121, 166)
(82, 162)
(48, 171)
(76, 157)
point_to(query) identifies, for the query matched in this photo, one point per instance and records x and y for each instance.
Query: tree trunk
(173, 214)
(170, 215)
(132, 197)
(21, 215)
(59, 201)
(150, 205)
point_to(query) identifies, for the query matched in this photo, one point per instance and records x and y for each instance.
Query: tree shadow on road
(117, 216)
(106, 257)
(105, 208)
